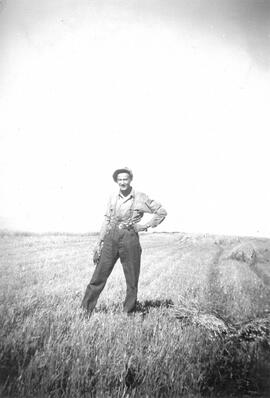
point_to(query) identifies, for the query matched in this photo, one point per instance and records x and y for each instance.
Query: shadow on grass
(141, 307)
(146, 305)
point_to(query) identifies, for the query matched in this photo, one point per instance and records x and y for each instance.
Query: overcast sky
(179, 91)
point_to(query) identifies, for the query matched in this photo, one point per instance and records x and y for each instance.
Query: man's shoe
(86, 314)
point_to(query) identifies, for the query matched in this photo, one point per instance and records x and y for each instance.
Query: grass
(202, 326)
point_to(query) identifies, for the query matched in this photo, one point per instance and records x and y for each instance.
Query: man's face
(123, 180)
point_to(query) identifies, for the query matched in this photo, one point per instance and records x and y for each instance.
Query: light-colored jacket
(131, 209)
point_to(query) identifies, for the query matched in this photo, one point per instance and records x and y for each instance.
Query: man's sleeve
(106, 222)
(151, 206)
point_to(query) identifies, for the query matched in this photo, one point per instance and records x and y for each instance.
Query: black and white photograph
(134, 198)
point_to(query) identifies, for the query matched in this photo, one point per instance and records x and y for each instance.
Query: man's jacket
(130, 209)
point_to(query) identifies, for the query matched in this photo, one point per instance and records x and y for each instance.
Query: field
(201, 329)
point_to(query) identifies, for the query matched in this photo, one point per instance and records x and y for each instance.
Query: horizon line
(15, 232)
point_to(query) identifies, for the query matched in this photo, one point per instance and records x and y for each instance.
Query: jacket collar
(131, 195)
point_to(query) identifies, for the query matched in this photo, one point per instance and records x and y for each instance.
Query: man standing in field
(119, 238)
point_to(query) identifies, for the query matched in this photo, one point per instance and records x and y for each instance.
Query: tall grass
(48, 347)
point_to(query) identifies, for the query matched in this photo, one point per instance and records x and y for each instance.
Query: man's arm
(105, 224)
(102, 233)
(155, 208)
(159, 212)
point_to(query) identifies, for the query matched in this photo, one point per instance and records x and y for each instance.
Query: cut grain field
(201, 328)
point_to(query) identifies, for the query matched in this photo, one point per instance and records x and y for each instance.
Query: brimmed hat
(123, 170)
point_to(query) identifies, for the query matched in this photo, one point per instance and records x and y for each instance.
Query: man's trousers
(123, 244)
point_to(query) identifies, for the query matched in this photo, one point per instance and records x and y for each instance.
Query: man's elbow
(162, 212)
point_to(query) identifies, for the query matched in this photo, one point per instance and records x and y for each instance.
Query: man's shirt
(131, 209)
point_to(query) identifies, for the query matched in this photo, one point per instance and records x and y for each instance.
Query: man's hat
(123, 170)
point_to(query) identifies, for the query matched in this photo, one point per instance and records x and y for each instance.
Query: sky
(178, 91)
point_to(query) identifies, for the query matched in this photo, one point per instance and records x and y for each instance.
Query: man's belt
(122, 225)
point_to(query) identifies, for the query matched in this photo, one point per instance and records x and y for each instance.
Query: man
(119, 238)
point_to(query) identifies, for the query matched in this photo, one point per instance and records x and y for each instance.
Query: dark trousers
(123, 244)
